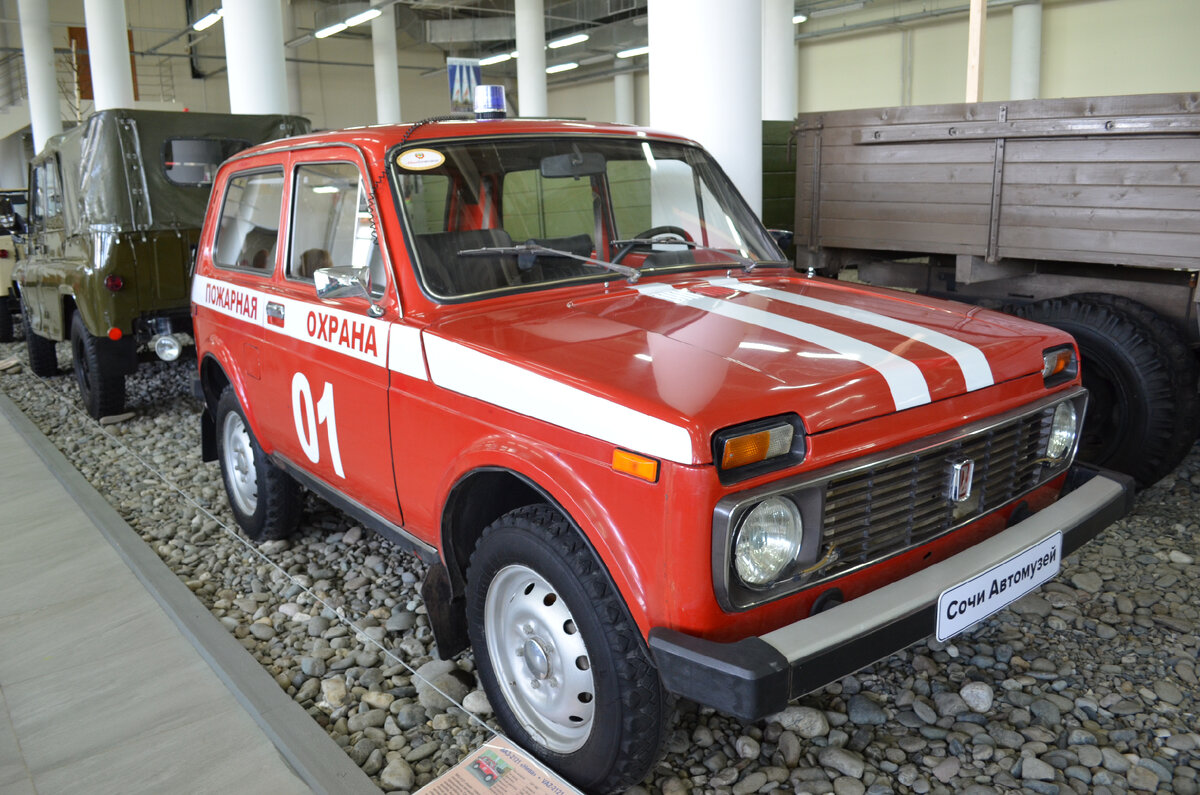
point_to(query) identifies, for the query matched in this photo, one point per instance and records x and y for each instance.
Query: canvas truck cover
(114, 173)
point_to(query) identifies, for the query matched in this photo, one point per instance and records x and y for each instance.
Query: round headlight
(768, 540)
(1062, 431)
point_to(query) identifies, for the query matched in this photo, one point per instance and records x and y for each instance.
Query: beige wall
(1090, 47)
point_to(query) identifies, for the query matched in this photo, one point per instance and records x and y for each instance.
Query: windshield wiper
(675, 240)
(629, 273)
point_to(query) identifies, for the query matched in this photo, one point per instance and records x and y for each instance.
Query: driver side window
(332, 224)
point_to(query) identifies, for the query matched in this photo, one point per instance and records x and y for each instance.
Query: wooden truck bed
(1112, 180)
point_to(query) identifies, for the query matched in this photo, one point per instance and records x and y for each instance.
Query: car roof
(379, 138)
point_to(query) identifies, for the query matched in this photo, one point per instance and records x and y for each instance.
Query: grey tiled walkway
(101, 687)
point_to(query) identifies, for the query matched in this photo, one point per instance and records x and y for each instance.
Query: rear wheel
(265, 500)
(1141, 414)
(98, 373)
(43, 356)
(6, 319)
(563, 663)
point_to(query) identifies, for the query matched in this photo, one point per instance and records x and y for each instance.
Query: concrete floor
(113, 681)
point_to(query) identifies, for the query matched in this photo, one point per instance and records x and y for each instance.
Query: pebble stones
(1089, 684)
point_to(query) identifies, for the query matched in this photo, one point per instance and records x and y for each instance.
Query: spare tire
(1141, 413)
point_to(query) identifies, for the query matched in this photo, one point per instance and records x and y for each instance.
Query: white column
(38, 46)
(387, 67)
(1026, 76)
(108, 53)
(531, 58)
(624, 103)
(291, 69)
(976, 28)
(254, 55)
(715, 99)
(778, 60)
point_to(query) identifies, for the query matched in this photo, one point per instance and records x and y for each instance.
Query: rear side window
(194, 161)
(248, 234)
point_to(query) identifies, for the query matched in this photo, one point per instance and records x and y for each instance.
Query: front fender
(547, 470)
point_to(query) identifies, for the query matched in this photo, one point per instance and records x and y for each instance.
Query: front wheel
(97, 371)
(43, 355)
(6, 319)
(562, 662)
(265, 500)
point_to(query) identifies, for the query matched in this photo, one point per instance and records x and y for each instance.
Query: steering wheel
(654, 232)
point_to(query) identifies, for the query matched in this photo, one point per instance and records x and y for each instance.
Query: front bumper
(757, 676)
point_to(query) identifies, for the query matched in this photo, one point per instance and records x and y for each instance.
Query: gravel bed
(1088, 685)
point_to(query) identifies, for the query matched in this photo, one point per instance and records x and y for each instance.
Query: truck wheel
(101, 383)
(1133, 422)
(265, 500)
(43, 353)
(563, 664)
(6, 320)
(1183, 365)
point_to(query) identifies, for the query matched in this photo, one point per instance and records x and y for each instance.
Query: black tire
(265, 500)
(97, 371)
(43, 353)
(6, 318)
(1174, 348)
(1138, 411)
(552, 598)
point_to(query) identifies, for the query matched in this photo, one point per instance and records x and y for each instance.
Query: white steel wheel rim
(541, 661)
(239, 463)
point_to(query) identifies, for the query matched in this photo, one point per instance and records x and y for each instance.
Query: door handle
(275, 313)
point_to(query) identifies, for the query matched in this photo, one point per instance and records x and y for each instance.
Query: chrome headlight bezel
(768, 539)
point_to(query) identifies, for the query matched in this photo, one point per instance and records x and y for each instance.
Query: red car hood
(704, 353)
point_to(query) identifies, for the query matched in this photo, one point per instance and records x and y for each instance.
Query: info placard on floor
(498, 767)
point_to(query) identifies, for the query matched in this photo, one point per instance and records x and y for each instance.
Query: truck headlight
(768, 540)
(1062, 431)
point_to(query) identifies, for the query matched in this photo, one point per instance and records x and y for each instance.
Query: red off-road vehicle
(566, 365)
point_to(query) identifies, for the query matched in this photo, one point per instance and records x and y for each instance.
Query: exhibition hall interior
(600, 396)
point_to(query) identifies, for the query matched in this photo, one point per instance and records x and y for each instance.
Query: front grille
(876, 512)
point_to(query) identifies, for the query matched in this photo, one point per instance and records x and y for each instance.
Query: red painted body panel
(406, 441)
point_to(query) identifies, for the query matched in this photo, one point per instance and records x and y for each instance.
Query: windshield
(500, 215)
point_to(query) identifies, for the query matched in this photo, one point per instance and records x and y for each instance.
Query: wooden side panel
(779, 177)
(1116, 198)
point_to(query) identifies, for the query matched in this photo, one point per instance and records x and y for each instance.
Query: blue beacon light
(489, 102)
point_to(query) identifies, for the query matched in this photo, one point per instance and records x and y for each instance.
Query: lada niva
(640, 454)
(115, 207)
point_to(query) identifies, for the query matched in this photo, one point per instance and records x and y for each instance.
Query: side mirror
(346, 282)
(340, 282)
(783, 237)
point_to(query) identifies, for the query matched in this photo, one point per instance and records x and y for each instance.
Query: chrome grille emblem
(961, 474)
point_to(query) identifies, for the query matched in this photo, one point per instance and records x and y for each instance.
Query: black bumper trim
(750, 678)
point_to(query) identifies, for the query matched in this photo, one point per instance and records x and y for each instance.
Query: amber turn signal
(754, 447)
(633, 464)
(1055, 362)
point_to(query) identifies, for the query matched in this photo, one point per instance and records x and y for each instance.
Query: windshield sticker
(420, 159)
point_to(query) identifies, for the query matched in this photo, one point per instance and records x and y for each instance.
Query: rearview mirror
(575, 164)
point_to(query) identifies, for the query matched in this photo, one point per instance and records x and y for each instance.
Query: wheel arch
(482, 492)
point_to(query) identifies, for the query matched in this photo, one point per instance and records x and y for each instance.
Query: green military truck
(1081, 213)
(12, 207)
(115, 210)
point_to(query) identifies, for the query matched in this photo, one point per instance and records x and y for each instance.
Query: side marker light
(633, 464)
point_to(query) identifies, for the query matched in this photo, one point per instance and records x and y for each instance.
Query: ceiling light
(633, 52)
(796, 20)
(365, 16)
(562, 67)
(337, 27)
(834, 10)
(207, 21)
(567, 41)
(495, 59)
